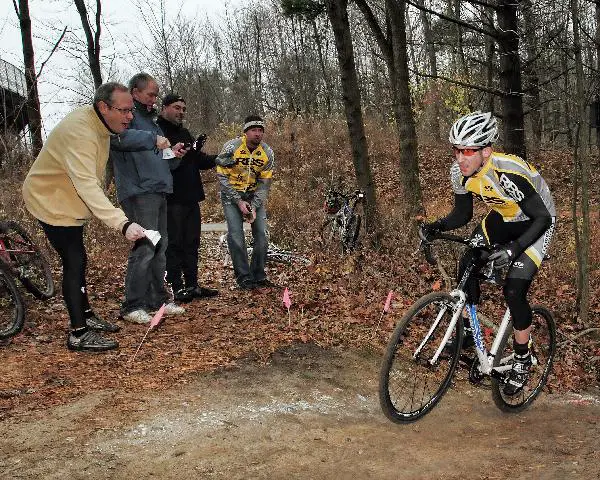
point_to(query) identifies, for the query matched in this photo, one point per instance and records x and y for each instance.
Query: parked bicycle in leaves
(21, 259)
(340, 232)
(275, 253)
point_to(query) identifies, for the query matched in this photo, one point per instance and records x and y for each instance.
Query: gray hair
(140, 80)
(105, 91)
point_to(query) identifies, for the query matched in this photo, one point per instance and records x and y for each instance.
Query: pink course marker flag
(153, 323)
(157, 316)
(388, 301)
(286, 299)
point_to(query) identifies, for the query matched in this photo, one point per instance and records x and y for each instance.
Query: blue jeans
(236, 242)
(146, 266)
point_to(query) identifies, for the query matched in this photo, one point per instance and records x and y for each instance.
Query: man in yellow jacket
(63, 189)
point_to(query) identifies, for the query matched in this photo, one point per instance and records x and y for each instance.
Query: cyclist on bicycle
(519, 225)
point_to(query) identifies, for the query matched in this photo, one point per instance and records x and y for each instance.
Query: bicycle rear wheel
(542, 350)
(12, 311)
(331, 237)
(409, 384)
(32, 269)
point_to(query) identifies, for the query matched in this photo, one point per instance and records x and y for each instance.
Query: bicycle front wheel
(542, 348)
(12, 311)
(352, 232)
(410, 383)
(32, 269)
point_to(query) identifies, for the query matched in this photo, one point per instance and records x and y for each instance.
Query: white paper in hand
(168, 154)
(153, 236)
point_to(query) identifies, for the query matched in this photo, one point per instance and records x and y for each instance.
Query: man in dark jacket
(183, 212)
(143, 181)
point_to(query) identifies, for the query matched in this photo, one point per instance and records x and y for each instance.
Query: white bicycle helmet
(476, 129)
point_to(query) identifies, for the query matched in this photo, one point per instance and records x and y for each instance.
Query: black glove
(503, 256)
(428, 231)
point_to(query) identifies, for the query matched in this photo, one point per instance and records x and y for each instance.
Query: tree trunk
(530, 70)
(92, 39)
(337, 11)
(581, 176)
(433, 71)
(326, 80)
(33, 100)
(597, 42)
(405, 123)
(510, 78)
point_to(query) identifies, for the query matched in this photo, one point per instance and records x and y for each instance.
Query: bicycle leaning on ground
(423, 351)
(342, 229)
(20, 258)
(275, 253)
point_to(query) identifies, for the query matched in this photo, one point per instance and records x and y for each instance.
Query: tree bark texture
(33, 100)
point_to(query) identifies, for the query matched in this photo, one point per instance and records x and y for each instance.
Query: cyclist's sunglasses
(467, 152)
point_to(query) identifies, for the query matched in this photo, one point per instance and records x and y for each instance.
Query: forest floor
(309, 413)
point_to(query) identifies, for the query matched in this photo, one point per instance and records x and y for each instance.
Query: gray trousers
(145, 280)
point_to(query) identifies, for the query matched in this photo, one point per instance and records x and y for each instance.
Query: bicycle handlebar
(472, 243)
(347, 196)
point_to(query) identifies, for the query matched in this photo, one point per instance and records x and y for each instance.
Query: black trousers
(183, 226)
(68, 243)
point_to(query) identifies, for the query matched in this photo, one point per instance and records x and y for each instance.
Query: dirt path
(310, 414)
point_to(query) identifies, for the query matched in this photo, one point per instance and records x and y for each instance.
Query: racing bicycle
(341, 230)
(424, 349)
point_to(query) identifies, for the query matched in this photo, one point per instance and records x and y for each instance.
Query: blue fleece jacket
(138, 165)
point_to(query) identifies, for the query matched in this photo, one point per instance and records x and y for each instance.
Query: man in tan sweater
(63, 190)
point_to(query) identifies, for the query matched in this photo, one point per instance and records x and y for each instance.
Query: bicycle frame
(486, 359)
(6, 253)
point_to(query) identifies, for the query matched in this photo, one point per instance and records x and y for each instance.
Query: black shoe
(90, 341)
(518, 375)
(99, 324)
(266, 283)
(201, 292)
(248, 285)
(183, 295)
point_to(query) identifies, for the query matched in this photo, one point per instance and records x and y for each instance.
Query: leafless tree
(33, 101)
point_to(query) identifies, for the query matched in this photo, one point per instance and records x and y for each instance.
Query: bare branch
(492, 33)
(62, 35)
(481, 88)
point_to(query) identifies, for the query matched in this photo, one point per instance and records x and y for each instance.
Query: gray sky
(49, 17)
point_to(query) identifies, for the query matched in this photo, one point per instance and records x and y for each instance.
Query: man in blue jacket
(143, 180)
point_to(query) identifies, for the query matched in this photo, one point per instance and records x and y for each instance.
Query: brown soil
(309, 413)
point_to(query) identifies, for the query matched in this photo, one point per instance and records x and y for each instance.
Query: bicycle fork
(458, 306)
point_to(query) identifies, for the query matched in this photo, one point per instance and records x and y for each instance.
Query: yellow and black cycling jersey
(241, 171)
(503, 183)
(523, 211)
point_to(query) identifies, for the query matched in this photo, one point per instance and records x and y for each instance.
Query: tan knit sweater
(63, 187)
